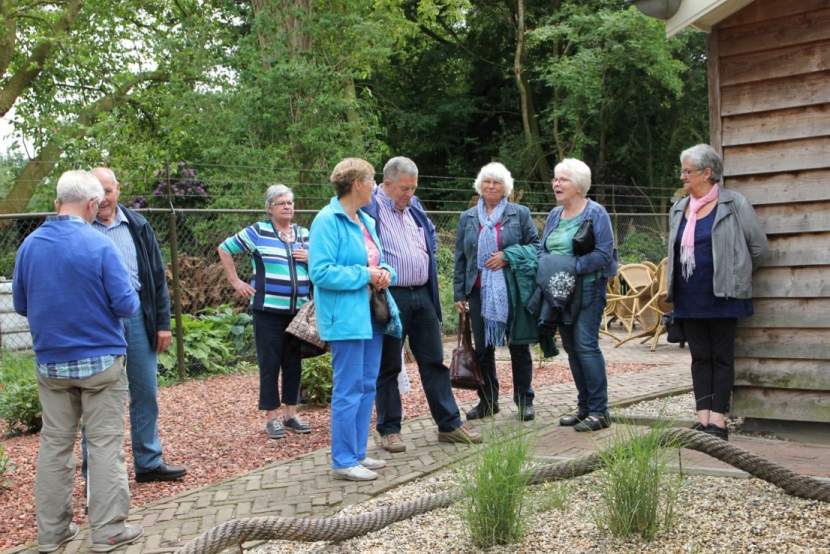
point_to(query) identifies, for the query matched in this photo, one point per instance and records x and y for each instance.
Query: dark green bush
(316, 379)
(640, 246)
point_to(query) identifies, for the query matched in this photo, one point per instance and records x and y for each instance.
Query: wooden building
(769, 106)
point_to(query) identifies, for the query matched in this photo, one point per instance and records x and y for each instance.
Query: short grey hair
(275, 191)
(398, 166)
(703, 156)
(106, 173)
(76, 186)
(497, 172)
(580, 174)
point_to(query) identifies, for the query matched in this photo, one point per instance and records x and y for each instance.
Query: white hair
(703, 156)
(77, 186)
(497, 172)
(274, 192)
(580, 174)
(107, 173)
(397, 166)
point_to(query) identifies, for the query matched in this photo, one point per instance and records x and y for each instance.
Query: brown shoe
(460, 435)
(392, 443)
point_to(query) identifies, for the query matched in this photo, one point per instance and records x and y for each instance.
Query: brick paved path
(303, 486)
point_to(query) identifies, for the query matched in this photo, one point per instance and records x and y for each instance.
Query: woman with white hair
(715, 243)
(580, 335)
(484, 231)
(279, 287)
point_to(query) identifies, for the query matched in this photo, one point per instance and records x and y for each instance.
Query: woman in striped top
(279, 287)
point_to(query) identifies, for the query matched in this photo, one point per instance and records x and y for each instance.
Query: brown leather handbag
(465, 373)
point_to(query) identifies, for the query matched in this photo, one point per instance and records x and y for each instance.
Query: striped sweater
(281, 283)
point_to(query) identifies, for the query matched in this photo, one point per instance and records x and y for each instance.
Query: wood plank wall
(769, 73)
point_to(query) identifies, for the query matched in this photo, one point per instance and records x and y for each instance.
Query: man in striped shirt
(409, 245)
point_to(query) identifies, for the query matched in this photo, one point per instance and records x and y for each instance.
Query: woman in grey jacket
(715, 243)
(484, 231)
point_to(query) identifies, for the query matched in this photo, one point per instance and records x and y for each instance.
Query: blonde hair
(348, 171)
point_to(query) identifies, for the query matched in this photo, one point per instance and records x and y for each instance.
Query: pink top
(371, 247)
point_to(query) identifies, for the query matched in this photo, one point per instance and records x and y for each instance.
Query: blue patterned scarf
(494, 300)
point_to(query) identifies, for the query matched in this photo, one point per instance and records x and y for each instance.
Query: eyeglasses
(687, 172)
(283, 203)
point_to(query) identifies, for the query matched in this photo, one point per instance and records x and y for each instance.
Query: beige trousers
(100, 401)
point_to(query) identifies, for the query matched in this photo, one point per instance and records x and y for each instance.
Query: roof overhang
(702, 14)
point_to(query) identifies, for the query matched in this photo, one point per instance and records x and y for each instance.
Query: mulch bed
(213, 427)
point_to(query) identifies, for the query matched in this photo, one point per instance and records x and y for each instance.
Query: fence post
(174, 264)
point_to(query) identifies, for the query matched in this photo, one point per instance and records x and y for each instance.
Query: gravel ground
(713, 515)
(681, 406)
(214, 428)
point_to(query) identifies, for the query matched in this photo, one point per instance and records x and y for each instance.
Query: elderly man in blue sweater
(73, 286)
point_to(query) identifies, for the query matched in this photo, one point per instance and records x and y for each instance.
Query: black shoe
(592, 423)
(698, 427)
(296, 425)
(527, 413)
(163, 472)
(482, 411)
(719, 432)
(571, 420)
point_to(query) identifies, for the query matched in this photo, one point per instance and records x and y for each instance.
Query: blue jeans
(355, 364)
(581, 342)
(142, 366)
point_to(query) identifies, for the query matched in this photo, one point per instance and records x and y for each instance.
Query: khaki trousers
(100, 401)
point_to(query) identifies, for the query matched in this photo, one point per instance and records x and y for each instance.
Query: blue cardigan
(604, 256)
(338, 268)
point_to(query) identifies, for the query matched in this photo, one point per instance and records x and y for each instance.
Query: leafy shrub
(638, 495)
(19, 400)
(4, 463)
(446, 263)
(640, 246)
(20, 407)
(495, 491)
(316, 379)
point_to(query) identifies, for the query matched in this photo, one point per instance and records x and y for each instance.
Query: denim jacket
(738, 243)
(517, 227)
(604, 256)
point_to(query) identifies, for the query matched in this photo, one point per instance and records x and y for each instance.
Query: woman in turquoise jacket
(345, 260)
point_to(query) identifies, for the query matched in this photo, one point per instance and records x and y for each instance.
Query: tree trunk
(530, 124)
(42, 165)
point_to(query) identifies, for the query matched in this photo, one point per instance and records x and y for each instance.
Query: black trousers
(420, 323)
(712, 345)
(272, 354)
(520, 361)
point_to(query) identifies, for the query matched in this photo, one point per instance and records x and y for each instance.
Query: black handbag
(465, 373)
(584, 241)
(379, 306)
(674, 330)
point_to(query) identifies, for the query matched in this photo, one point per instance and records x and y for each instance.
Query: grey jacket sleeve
(756, 239)
(460, 271)
(530, 235)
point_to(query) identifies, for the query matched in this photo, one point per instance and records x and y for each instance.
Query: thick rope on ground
(238, 531)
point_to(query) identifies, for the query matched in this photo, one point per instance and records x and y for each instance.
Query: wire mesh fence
(201, 282)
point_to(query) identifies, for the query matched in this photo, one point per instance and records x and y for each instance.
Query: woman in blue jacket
(572, 179)
(345, 259)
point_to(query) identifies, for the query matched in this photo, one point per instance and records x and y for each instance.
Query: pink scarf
(687, 242)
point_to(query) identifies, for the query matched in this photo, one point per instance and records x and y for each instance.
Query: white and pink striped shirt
(403, 241)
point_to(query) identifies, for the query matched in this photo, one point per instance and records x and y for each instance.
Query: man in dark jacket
(147, 332)
(408, 239)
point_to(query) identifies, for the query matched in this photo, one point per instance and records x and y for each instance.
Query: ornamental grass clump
(495, 490)
(637, 490)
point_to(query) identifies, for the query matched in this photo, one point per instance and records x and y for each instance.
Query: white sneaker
(354, 473)
(372, 463)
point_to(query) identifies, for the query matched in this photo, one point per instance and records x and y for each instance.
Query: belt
(410, 288)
